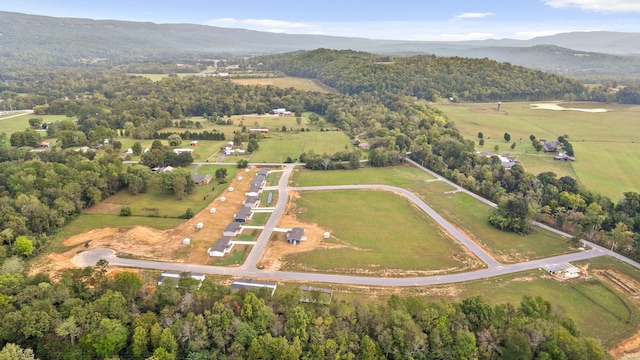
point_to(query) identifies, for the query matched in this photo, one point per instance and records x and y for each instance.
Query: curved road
(248, 269)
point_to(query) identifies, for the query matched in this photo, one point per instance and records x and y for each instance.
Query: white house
(222, 246)
(180, 151)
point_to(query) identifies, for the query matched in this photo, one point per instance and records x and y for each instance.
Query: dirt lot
(147, 243)
(629, 348)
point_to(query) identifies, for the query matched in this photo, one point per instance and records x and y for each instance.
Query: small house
(194, 143)
(165, 169)
(44, 144)
(176, 277)
(564, 157)
(295, 236)
(259, 130)
(232, 230)
(315, 295)
(251, 202)
(254, 190)
(201, 179)
(279, 111)
(249, 283)
(243, 215)
(180, 151)
(222, 246)
(550, 146)
(259, 181)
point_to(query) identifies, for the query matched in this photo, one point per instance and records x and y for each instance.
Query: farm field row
(601, 140)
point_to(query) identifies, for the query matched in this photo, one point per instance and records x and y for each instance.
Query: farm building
(243, 215)
(177, 276)
(180, 151)
(279, 111)
(259, 130)
(564, 157)
(563, 271)
(194, 143)
(549, 146)
(201, 179)
(228, 151)
(232, 230)
(249, 283)
(222, 246)
(252, 202)
(295, 236)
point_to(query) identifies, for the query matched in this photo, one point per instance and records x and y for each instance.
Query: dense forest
(425, 77)
(87, 315)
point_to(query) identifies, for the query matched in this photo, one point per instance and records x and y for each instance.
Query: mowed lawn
(278, 146)
(471, 216)
(462, 210)
(605, 143)
(381, 233)
(20, 123)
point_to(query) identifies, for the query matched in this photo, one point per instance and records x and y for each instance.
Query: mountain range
(42, 40)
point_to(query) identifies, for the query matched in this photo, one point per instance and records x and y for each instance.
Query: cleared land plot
(203, 151)
(278, 146)
(470, 216)
(601, 140)
(400, 241)
(287, 82)
(466, 213)
(158, 77)
(158, 203)
(20, 123)
(400, 176)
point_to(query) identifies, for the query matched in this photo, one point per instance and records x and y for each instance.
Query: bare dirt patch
(162, 245)
(263, 82)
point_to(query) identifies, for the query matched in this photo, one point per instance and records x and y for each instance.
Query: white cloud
(604, 6)
(222, 22)
(463, 37)
(472, 15)
(279, 24)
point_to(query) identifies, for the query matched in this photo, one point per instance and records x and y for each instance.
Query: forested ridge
(87, 315)
(424, 76)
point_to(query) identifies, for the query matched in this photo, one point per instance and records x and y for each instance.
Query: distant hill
(41, 40)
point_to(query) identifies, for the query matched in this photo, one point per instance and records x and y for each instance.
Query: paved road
(248, 269)
(19, 113)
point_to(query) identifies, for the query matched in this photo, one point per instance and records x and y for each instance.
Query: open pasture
(605, 143)
(401, 176)
(10, 124)
(276, 147)
(287, 82)
(401, 241)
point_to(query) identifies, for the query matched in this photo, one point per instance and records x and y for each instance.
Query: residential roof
(254, 188)
(264, 172)
(249, 283)
(252, 199)
(221, 244)
(243, 213)
(295, 233)
(234, 226)
(199, 177)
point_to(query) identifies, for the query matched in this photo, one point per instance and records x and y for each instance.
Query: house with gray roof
(264, 172)
(243, 215)
(252, 202)
(222, 246)
(295, 236)
(201, 179)
(232, 230)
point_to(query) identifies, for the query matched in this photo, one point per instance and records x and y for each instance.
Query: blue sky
(440, 20)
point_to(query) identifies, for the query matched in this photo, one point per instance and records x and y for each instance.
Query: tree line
(88, 314)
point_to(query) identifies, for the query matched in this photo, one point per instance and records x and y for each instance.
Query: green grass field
(402, 240)
(465, 212)
(287, 82)
(278, 146)
(20, 123)
(602, 141)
